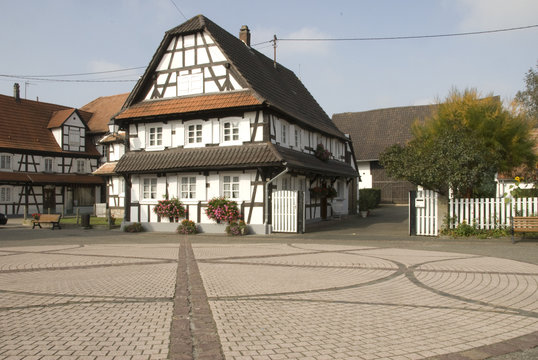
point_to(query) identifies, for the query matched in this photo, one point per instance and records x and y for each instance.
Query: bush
(187, 227)
(134, 228)
(522, 193)
(466, 230)
(237, 228)
(369, 199)
(222, 209)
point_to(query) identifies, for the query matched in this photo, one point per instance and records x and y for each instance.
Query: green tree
(528, 98)
(462, 146)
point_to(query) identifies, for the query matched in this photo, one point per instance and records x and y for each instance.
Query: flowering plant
(187, 227)
(222, 209)
(236, 228)
(36, 216)
(172, 208)
(322, 153)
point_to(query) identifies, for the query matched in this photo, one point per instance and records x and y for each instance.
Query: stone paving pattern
(261, 301)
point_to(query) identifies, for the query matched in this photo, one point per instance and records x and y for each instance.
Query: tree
(462, 146)
(528, 98)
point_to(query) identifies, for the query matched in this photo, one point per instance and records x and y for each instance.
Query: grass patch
(94, 220)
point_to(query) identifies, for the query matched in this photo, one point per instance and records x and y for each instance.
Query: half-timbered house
(46, 157)
(211, 117)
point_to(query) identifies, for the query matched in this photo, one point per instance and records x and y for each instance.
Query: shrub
(172, 208)
(237, 228)
(222, 209)
(466, 230)
(521, 193)
(369, 199)
(187, 227)
(322, 153)
(134, 227)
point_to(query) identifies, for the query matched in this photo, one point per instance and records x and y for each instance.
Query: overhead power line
(67, 80)
(78, 74)
(385, 38)
(178, 9)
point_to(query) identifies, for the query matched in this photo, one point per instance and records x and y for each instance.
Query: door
(49, 199)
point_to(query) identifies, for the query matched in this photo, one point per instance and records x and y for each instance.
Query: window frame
(46, 168)
(81, 163)
(6, 194)
(152, 189)
(6, 165)
(233, 131)
(195, 137)
(155, 136)
(187, 188)
(233, 186)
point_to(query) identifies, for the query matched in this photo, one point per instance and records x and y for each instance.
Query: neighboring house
(374, 131)
(211, 117)
(46, 157)
(111, 145)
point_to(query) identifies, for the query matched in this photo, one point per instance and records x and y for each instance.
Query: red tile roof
(106, 169)
(190, 104)
(40, 178)
(58, 118)
(103, 109)
(24, 126)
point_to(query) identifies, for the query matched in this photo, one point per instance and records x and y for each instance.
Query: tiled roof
(278, 87)
(183, 105)
(214, 158)
(102, 110)
(112, 138)
(40, 178)
(373, 131)
(24, 126)
(308, 163)
(58, 118)
(229, 157)
(106, 169)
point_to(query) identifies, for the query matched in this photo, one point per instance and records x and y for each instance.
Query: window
(231, 187)
(194, 134)
(149, 189)
(190, 84)
(155, 136)
(5, 194)
(81, 166)
(5, 162)
(48, 165)
(340, 189)
(285, 184)
(284, 133)
(297, 138)
(231, 131)
(121, 186)
(74, 137)
(188, 187)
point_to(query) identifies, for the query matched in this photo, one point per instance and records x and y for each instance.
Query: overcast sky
(54, 37)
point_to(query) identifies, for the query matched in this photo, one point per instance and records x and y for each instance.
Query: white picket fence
(288, 211)
(489, 213)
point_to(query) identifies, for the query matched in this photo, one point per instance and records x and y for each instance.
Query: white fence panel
(490, 213)
(286, 211)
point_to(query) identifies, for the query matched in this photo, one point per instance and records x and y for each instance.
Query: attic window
(74, 137)
(190, 84)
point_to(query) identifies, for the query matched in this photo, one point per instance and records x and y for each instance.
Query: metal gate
(423, 213)
(288, 211)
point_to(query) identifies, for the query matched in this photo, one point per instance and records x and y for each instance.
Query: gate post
(412, 213)
(442, 211)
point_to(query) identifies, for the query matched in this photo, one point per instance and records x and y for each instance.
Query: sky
(61, 37)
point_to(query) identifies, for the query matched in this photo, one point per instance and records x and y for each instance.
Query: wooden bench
(524, 224)
(53, 219)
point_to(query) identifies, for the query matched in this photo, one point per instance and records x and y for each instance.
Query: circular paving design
(345, 302)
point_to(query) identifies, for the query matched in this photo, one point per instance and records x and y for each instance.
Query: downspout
(266, 222)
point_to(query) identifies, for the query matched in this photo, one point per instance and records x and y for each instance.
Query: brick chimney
(17, 92)
(244, 35)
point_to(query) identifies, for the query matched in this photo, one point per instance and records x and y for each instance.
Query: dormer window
(74, 137)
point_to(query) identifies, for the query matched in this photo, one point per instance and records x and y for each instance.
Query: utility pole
(274, 48)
